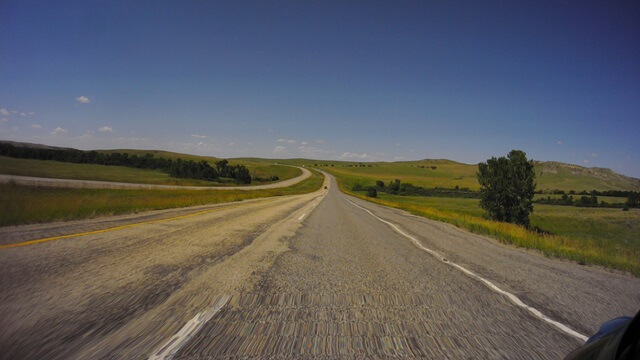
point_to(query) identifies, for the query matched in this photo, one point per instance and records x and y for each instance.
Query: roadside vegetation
(587, 235)
(27, 204)
(615, 199)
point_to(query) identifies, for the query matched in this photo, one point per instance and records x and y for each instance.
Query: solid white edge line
(177, 341)
(301, 216)
(514, 299)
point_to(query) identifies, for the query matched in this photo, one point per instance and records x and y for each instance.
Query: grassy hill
(427, 173)
(263, 169)
(448, 174)
(557, 175)
(64, 170)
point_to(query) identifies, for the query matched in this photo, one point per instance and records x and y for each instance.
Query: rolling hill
(550, 175)
(64, 170)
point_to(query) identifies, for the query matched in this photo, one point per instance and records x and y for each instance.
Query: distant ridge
(34, 146)
(555, 168)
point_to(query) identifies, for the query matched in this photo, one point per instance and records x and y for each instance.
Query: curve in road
(94, 184)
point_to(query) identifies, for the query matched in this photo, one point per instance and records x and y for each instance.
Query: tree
(372, 191)
(507, 187)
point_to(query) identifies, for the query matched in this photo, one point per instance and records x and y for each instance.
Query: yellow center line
(53, 238)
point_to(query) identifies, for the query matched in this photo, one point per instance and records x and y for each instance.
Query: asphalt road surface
(321, 275)
(95, 184)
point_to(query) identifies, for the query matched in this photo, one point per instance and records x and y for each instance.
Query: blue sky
(461, 80)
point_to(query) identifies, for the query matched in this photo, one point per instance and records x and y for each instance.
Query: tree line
(397, 187)
(611, 193)
(201, 170)
(633, 200)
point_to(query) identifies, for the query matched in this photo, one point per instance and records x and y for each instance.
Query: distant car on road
(617, 339)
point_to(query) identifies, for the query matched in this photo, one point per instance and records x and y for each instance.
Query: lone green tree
(507, 185)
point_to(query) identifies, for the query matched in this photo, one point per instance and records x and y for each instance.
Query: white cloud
(231, 143)
(31, 113)
(59, 131)
(279, 149)
(312, 152)
(304, 143)
(4, 112)
(86, 135)
(199, 136)
(201, 143)
(594, 155)
(349, 155)
(105, 129)
(559, 142)
(319, 141)
(83, 100)
(288, 141)
(399, 158)
(4, 120)
(35, 126)
(120, 139)
(23, 114)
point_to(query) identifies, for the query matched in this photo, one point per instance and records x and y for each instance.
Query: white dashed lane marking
(177, 341)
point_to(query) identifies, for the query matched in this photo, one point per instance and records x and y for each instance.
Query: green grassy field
(63, 170)
(448, 174)
(25, 204)
(608, 237)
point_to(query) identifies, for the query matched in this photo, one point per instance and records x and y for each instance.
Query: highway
(320, 275)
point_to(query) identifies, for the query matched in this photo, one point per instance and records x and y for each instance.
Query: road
(316, 275)
(94, 184)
